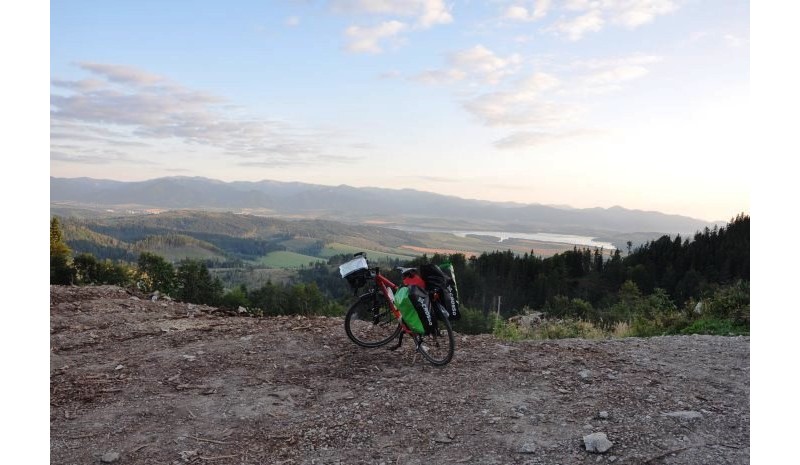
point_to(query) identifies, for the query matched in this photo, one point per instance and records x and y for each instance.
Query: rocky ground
(136, 381)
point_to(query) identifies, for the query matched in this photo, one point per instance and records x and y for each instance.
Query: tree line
(663, 280)
(188, 281)
(667, 285)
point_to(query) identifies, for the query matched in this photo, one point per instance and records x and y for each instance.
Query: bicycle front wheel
(370, 322)
(438, 348)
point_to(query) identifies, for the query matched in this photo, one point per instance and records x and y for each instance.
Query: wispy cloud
(367, 39)
(121, 106)
(575, 28)
(427, 13)
(477, 62)
(523, 104)
(527, 11)
(92, 156)
(538, 138)
(585, 16)
(398, 16)
(545, 107)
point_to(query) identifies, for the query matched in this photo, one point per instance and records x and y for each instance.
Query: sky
(586, 103)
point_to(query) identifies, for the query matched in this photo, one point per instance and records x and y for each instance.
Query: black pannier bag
(422, 303)
(437, 279)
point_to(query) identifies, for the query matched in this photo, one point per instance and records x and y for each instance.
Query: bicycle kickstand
(399, 343)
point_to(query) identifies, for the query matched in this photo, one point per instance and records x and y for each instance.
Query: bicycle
(374, 320)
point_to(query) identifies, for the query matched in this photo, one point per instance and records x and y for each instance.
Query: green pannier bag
(410, 317)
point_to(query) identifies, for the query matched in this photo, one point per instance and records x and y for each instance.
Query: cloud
(366, 39)
(593, 15)
(292, 21)
(440, 76)
(539, 138)
(92, 156)
(634, 13)
(428, 13)
(481, 61)
(523, 104)
(576, 28)
(546, 108)
(129, 109)
(123, 74)
(734, 40)
(603, 76)
(478, 62)
(519, 12)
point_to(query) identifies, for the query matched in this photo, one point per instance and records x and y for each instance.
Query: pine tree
(61, 270)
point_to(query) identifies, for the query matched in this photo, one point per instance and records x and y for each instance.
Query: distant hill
(390, 207)
(225, 236)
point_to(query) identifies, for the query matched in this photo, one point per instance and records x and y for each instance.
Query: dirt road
(135, 381)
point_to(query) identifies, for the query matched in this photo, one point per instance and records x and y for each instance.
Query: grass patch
(716, 327)
(176, 254)
(285, 259)
(336, 248)
(554, 329)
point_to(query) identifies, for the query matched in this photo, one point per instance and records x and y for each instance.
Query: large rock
(597, 442)
(685, 415)
(109, 457)
(528, 319)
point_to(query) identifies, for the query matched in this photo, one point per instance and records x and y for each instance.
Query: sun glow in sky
(638, 103)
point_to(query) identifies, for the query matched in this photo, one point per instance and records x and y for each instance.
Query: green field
(335, 248)
(176, 254)
(284, 259)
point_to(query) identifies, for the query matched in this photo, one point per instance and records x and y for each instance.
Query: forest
(665, 286)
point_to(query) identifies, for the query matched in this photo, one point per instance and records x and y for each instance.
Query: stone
(597, 442)
(241, 309)
(528, 448)
(586, 375)
(188, 455)
(603, 415)
(109, 457)
(684, 415)
(442, 439)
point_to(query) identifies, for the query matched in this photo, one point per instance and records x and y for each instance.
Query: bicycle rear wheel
(370, 322)
(438, 348)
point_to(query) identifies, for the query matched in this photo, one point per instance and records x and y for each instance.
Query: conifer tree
(61, 270)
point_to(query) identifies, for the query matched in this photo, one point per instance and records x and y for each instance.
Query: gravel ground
(135, 381)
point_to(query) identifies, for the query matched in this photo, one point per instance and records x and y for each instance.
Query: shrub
(473, 321)
(508, 331)
(565, 329)
(715, 326)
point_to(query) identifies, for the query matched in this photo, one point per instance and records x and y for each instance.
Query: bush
(565, 329)
(474, 322)
(730, 303)
(156, 274)
(508, 331)
(195, 284)
(564, 307)
(553, 329)
(235, 298)
(716, 327)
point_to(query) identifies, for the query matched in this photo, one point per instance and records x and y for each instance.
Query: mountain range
(403, 208)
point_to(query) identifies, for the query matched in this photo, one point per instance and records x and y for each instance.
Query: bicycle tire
(370, 323)
(438, 348)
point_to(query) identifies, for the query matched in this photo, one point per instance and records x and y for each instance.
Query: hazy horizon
(714, 220)
(637, 103)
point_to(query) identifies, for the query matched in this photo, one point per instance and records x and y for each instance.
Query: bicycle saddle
(403, 271)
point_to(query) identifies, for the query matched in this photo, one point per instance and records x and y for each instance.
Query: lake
(542, 237)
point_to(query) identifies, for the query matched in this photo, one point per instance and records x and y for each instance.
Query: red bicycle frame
(387, 288)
